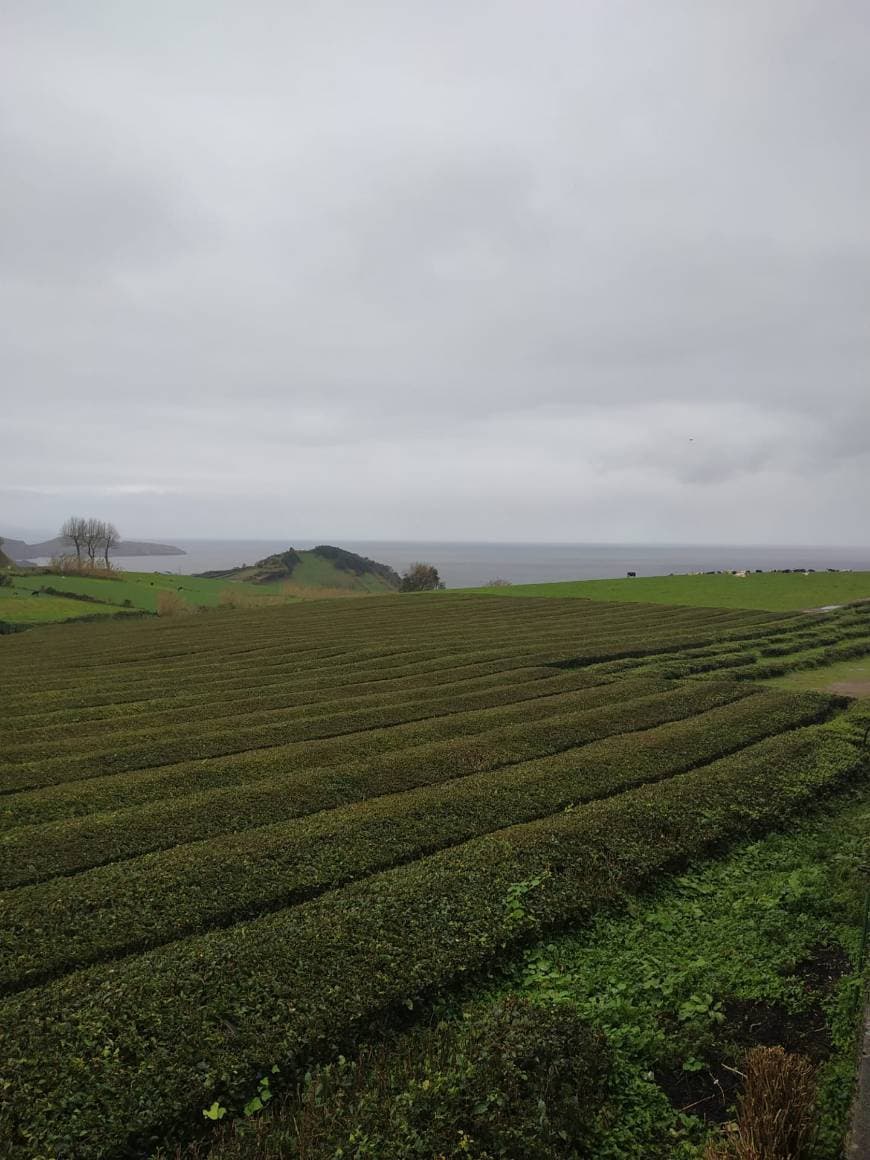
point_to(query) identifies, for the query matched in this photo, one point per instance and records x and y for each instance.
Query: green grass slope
(772, 591)
(325, 567)
(141, 589)
(18, 606)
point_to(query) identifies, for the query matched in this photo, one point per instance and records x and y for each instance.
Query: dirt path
(849, 688)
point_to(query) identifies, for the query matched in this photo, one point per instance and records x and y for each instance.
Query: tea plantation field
(237, 844)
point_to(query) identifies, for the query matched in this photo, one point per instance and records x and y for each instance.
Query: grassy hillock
(238, 845)
(772, 591)
(325, 567)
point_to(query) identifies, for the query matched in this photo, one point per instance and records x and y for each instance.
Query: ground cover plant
(249, 840)
(658, 1008)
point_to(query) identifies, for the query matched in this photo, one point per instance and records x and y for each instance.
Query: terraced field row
(232, 842)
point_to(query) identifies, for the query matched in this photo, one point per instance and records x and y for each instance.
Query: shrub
(142, 1044)
(421, 578)
(515, 1079)
(171, 604)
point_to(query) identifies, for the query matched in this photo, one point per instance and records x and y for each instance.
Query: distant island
(324, 567)
(21, 552)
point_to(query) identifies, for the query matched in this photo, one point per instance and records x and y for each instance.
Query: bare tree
(93, 538)
(74, 530)
(110, 539)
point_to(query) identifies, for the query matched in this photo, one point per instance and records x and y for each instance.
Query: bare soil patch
(850, 688)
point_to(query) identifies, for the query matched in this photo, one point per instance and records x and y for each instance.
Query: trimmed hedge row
(329, 673)
(220, 742)
(113, 1056)
(142, 787)
(120, 679)
(272, 710)
(365, 643)
(386, 623)
(31, 855)
(293, 690)
(301, 691)
(323, 680)
(60, 925)
(808, 660)
(99, 720)
(605, 641)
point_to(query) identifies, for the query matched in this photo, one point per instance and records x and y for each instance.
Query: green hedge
(56, 926)
(100, 721)
(115, 1054)
(603, 635)
(140, 787)
(217, 742)
(272, 711)
(31, 855)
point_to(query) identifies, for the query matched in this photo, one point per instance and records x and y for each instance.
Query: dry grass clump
(171, 604)
(305, 592)
(775, 1111)
(73, 566)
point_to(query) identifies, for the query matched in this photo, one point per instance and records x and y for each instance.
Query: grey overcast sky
(465, 269)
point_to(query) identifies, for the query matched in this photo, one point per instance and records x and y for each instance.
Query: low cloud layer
(492, 271)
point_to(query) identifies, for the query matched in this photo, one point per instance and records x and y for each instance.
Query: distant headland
(21, 552)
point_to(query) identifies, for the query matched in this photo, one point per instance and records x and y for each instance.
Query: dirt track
(849, 688)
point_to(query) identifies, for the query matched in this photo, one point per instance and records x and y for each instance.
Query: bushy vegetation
(421, 578)
(248, 841)
(516, 1079)
(728, 993)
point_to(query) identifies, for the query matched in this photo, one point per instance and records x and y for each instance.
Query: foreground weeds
(717, 1017)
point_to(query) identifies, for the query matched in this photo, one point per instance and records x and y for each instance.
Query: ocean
(469, 564)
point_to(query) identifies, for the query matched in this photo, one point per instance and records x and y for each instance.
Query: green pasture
(855, 671)
(773, 591)
(18, 605)
(140, 588)
(26, 602)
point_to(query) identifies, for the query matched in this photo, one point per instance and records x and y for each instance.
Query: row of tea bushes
(139, 1046)
(73, 845)
(65, 923)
